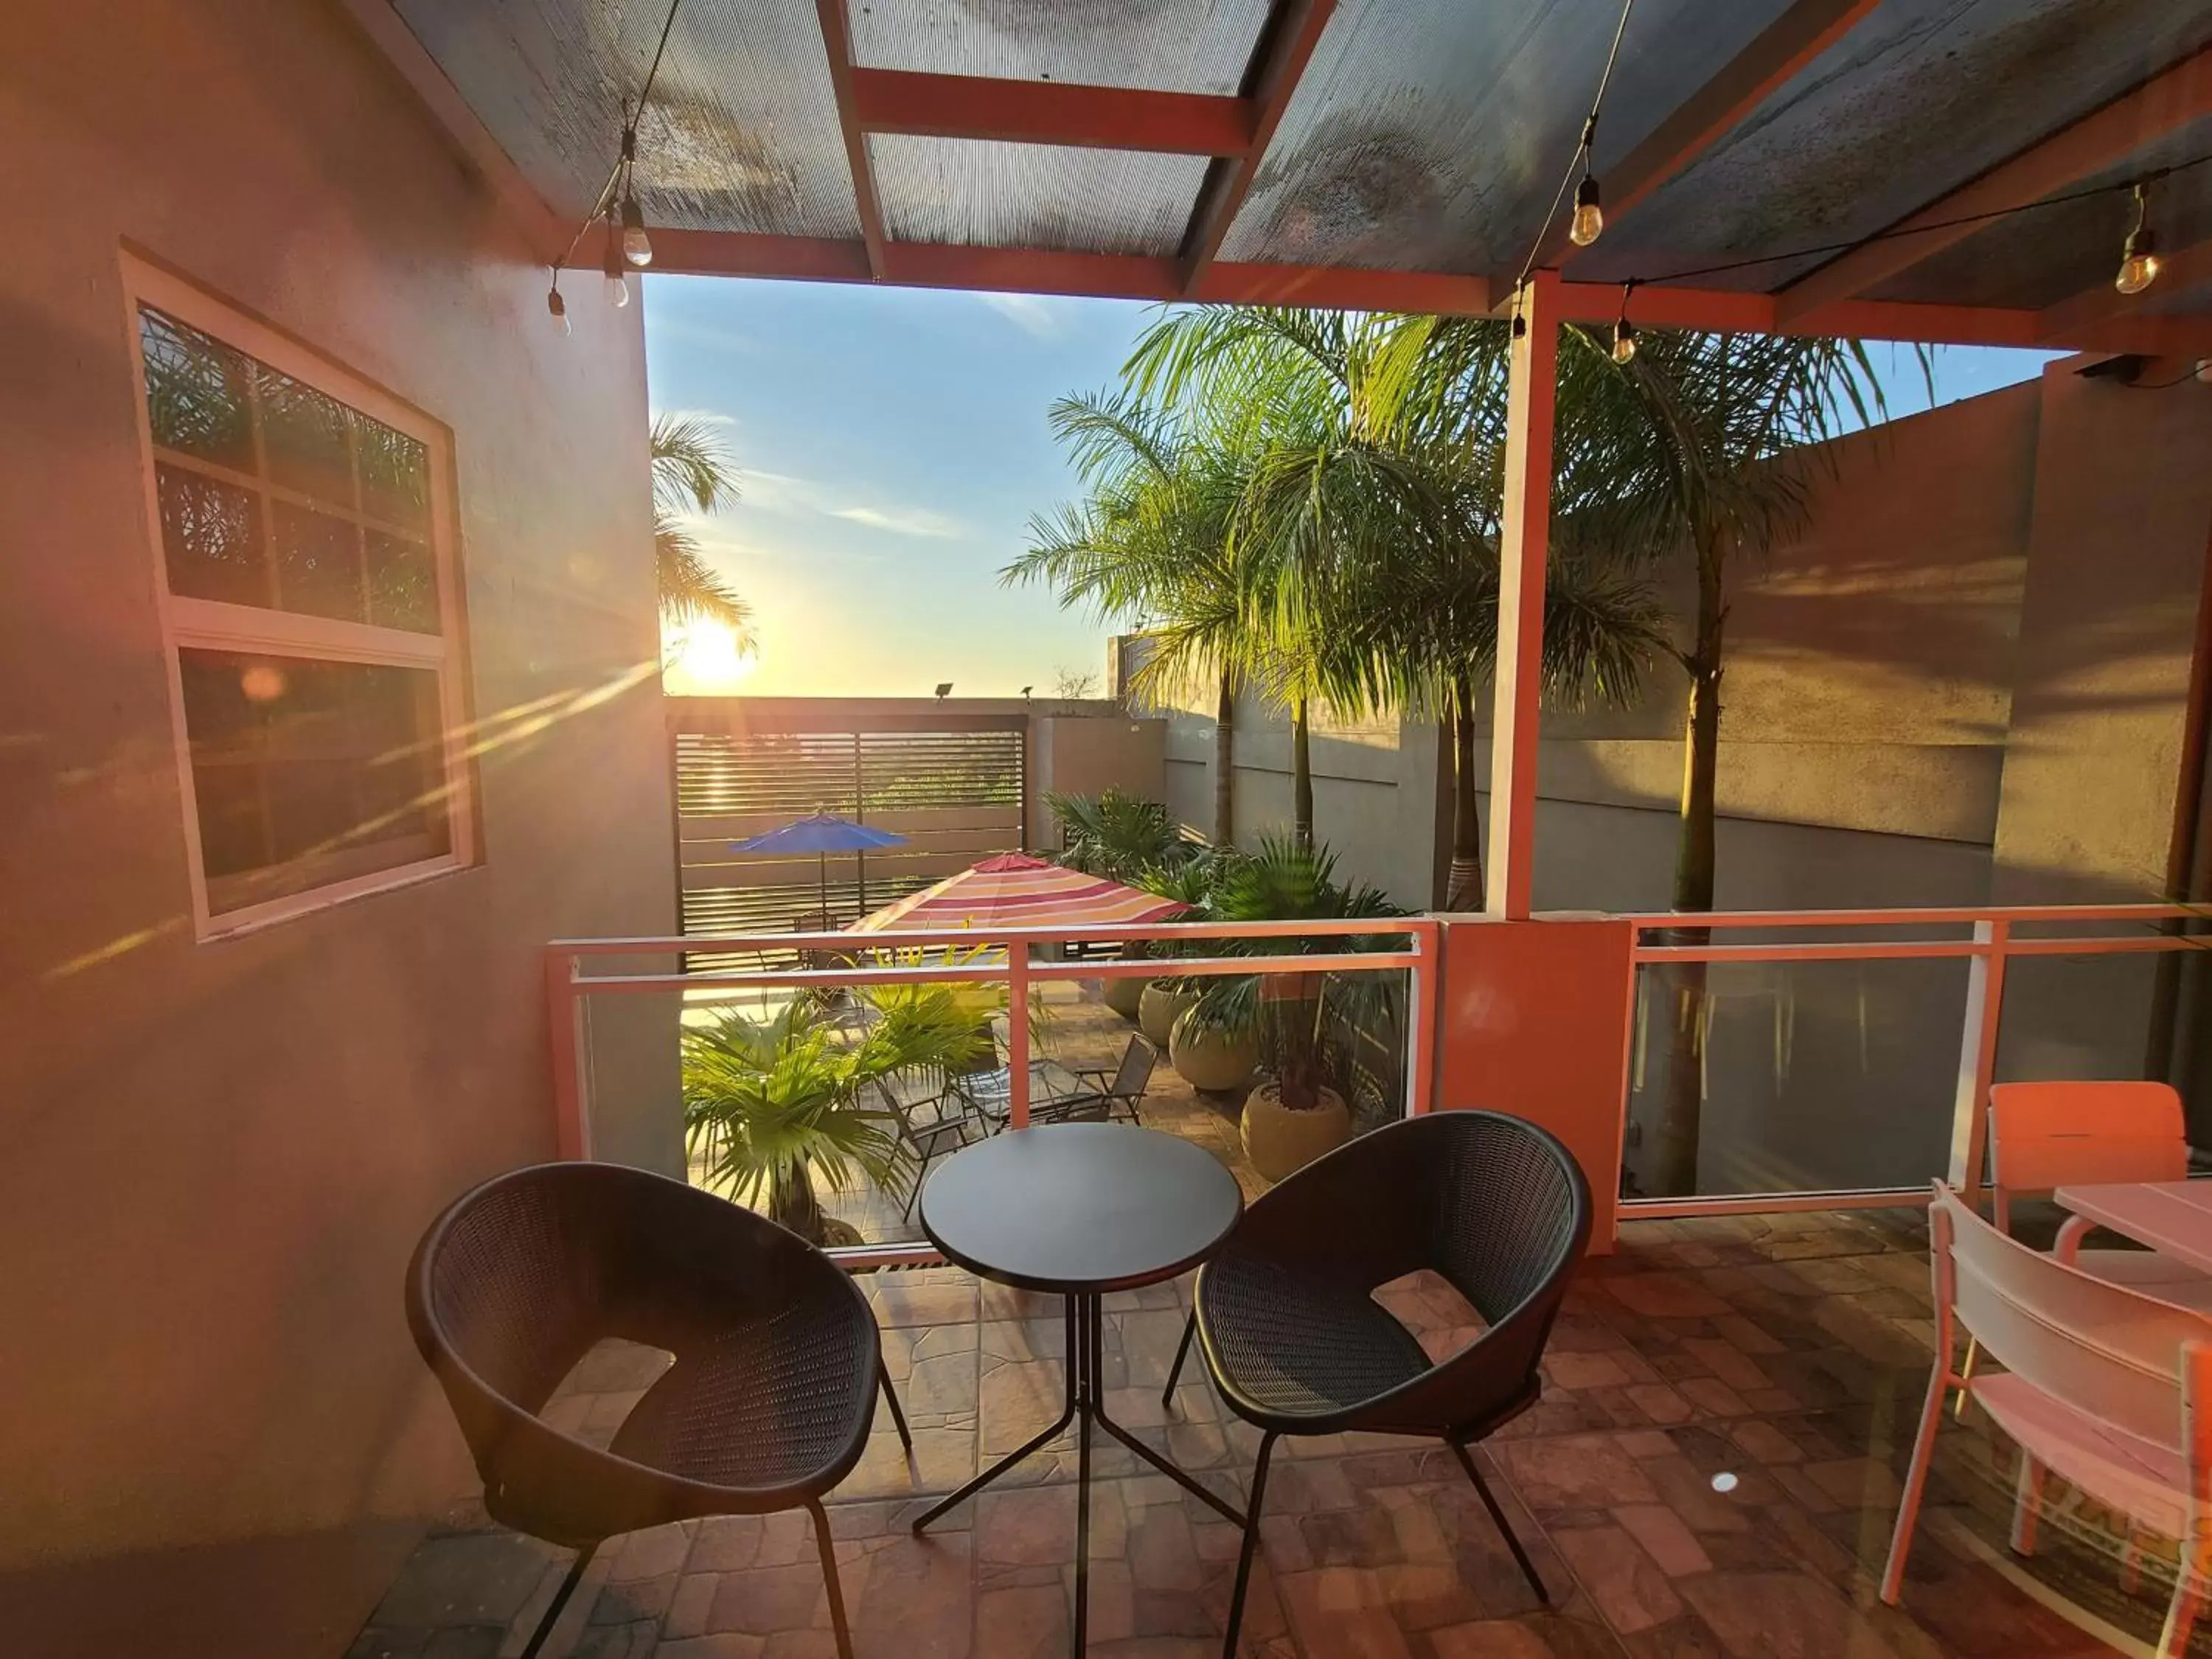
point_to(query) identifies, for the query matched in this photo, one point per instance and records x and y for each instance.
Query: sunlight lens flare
(708, 654)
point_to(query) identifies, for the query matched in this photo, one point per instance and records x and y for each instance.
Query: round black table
(1078, 1210)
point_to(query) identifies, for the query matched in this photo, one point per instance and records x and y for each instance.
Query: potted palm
(772, 1106)
(1125, 839)
(1298, 1110)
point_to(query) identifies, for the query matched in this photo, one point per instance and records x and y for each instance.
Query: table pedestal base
(1086, 1405)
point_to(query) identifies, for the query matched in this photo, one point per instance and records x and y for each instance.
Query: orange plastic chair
(2043, 1135)
(2104, 1385)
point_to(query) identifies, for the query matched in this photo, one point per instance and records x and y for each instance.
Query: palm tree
(1707, 447)
(1149, 546)
(692, 471)
(1370, 527)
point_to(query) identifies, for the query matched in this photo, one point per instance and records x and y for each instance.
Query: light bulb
(636, 246)
(611, 267)
(559, 308)
(1588, 223)
(1624, 341)
(2138, 268)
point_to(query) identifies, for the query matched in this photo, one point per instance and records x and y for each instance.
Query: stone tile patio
(1712, 1473)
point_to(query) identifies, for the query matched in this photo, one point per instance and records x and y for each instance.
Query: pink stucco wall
(216, 1156)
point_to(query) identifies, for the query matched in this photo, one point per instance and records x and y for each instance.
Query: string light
(1624, 332)
(627, 244)
(636, 246)
(617, 274)
(2139, 253)
(1589, 221)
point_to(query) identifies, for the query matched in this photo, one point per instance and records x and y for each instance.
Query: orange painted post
(572, 1131)
(1018, 1034)
(1531, 392)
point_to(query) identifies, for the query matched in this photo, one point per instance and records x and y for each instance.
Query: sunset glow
(707, 656)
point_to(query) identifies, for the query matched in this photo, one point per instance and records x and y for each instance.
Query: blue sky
(893, 448)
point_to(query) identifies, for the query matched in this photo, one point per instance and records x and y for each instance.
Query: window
(308, 600)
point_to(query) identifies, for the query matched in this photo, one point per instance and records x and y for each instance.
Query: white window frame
(188, 623)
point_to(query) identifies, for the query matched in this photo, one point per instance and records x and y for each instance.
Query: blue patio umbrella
(820, 834)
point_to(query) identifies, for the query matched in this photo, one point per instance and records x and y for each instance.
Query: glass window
(301, 550)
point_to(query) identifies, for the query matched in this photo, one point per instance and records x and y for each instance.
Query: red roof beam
(1286, 46)
(1780, 51)
(837, 46)
(1050, 113)
(2179, 271)
(2104, 138)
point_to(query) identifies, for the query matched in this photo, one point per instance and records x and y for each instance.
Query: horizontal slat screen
(956, 796)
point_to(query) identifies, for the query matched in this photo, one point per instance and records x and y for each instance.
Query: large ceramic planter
(1280, 1141)
(1159, 1008)
(1122, 995)
(1217, 1061)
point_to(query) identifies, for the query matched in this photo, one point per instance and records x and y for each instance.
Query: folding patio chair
(1125, 1085)
(2106, 1387)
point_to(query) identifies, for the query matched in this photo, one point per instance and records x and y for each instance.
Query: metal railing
(568, 990)
(1990, 942)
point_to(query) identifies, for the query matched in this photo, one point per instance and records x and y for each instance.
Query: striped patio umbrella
(1012, 889)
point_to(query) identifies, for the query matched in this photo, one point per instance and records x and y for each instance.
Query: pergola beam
(837, 45)
(1136, 276)
(2094, 307)
(1780, 50)
(1286, 46)
(1049, 112)
(2104, 138)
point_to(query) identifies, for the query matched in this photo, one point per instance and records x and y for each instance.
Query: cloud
(1032, 313)
(902, 520)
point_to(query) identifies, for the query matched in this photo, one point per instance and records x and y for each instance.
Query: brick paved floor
(1786, 1352)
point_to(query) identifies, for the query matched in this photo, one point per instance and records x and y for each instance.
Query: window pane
(395, 475)
(307, 437)
(196, 392)
(403, 584)
(211, 537)
(317, 563)
(307, 773)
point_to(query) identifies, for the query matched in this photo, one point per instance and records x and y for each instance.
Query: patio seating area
(1085, 1038)
(1713, 1471)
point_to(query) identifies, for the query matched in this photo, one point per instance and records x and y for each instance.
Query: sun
(708, 655)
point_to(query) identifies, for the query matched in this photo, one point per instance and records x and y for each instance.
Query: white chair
(2043, 1135)
(2106, 1387)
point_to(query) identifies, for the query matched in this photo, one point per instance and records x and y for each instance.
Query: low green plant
(772, 1105)
(1119, 836)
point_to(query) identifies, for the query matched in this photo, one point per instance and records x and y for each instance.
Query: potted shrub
(1297, 1110)
(1164, 1002)
(1128, 840)
(773, 1106)
(1211, 1056)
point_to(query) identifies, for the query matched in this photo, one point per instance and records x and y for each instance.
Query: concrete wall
(1089, 754)
(219, 1156)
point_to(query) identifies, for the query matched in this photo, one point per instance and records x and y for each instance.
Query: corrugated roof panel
(742, 133)
(2039, 259)
(1169, 45)
(984, 193)
(1431, 134)
(1921, 97)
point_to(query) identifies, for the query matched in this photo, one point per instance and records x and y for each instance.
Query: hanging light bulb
(559, 309)
(1624, 332)
(637, 246)
(1588, 223)
(618, 284)
(2139, 254)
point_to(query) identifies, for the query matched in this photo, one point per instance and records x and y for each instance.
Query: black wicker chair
(1296, 1341)
(767, 1407)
